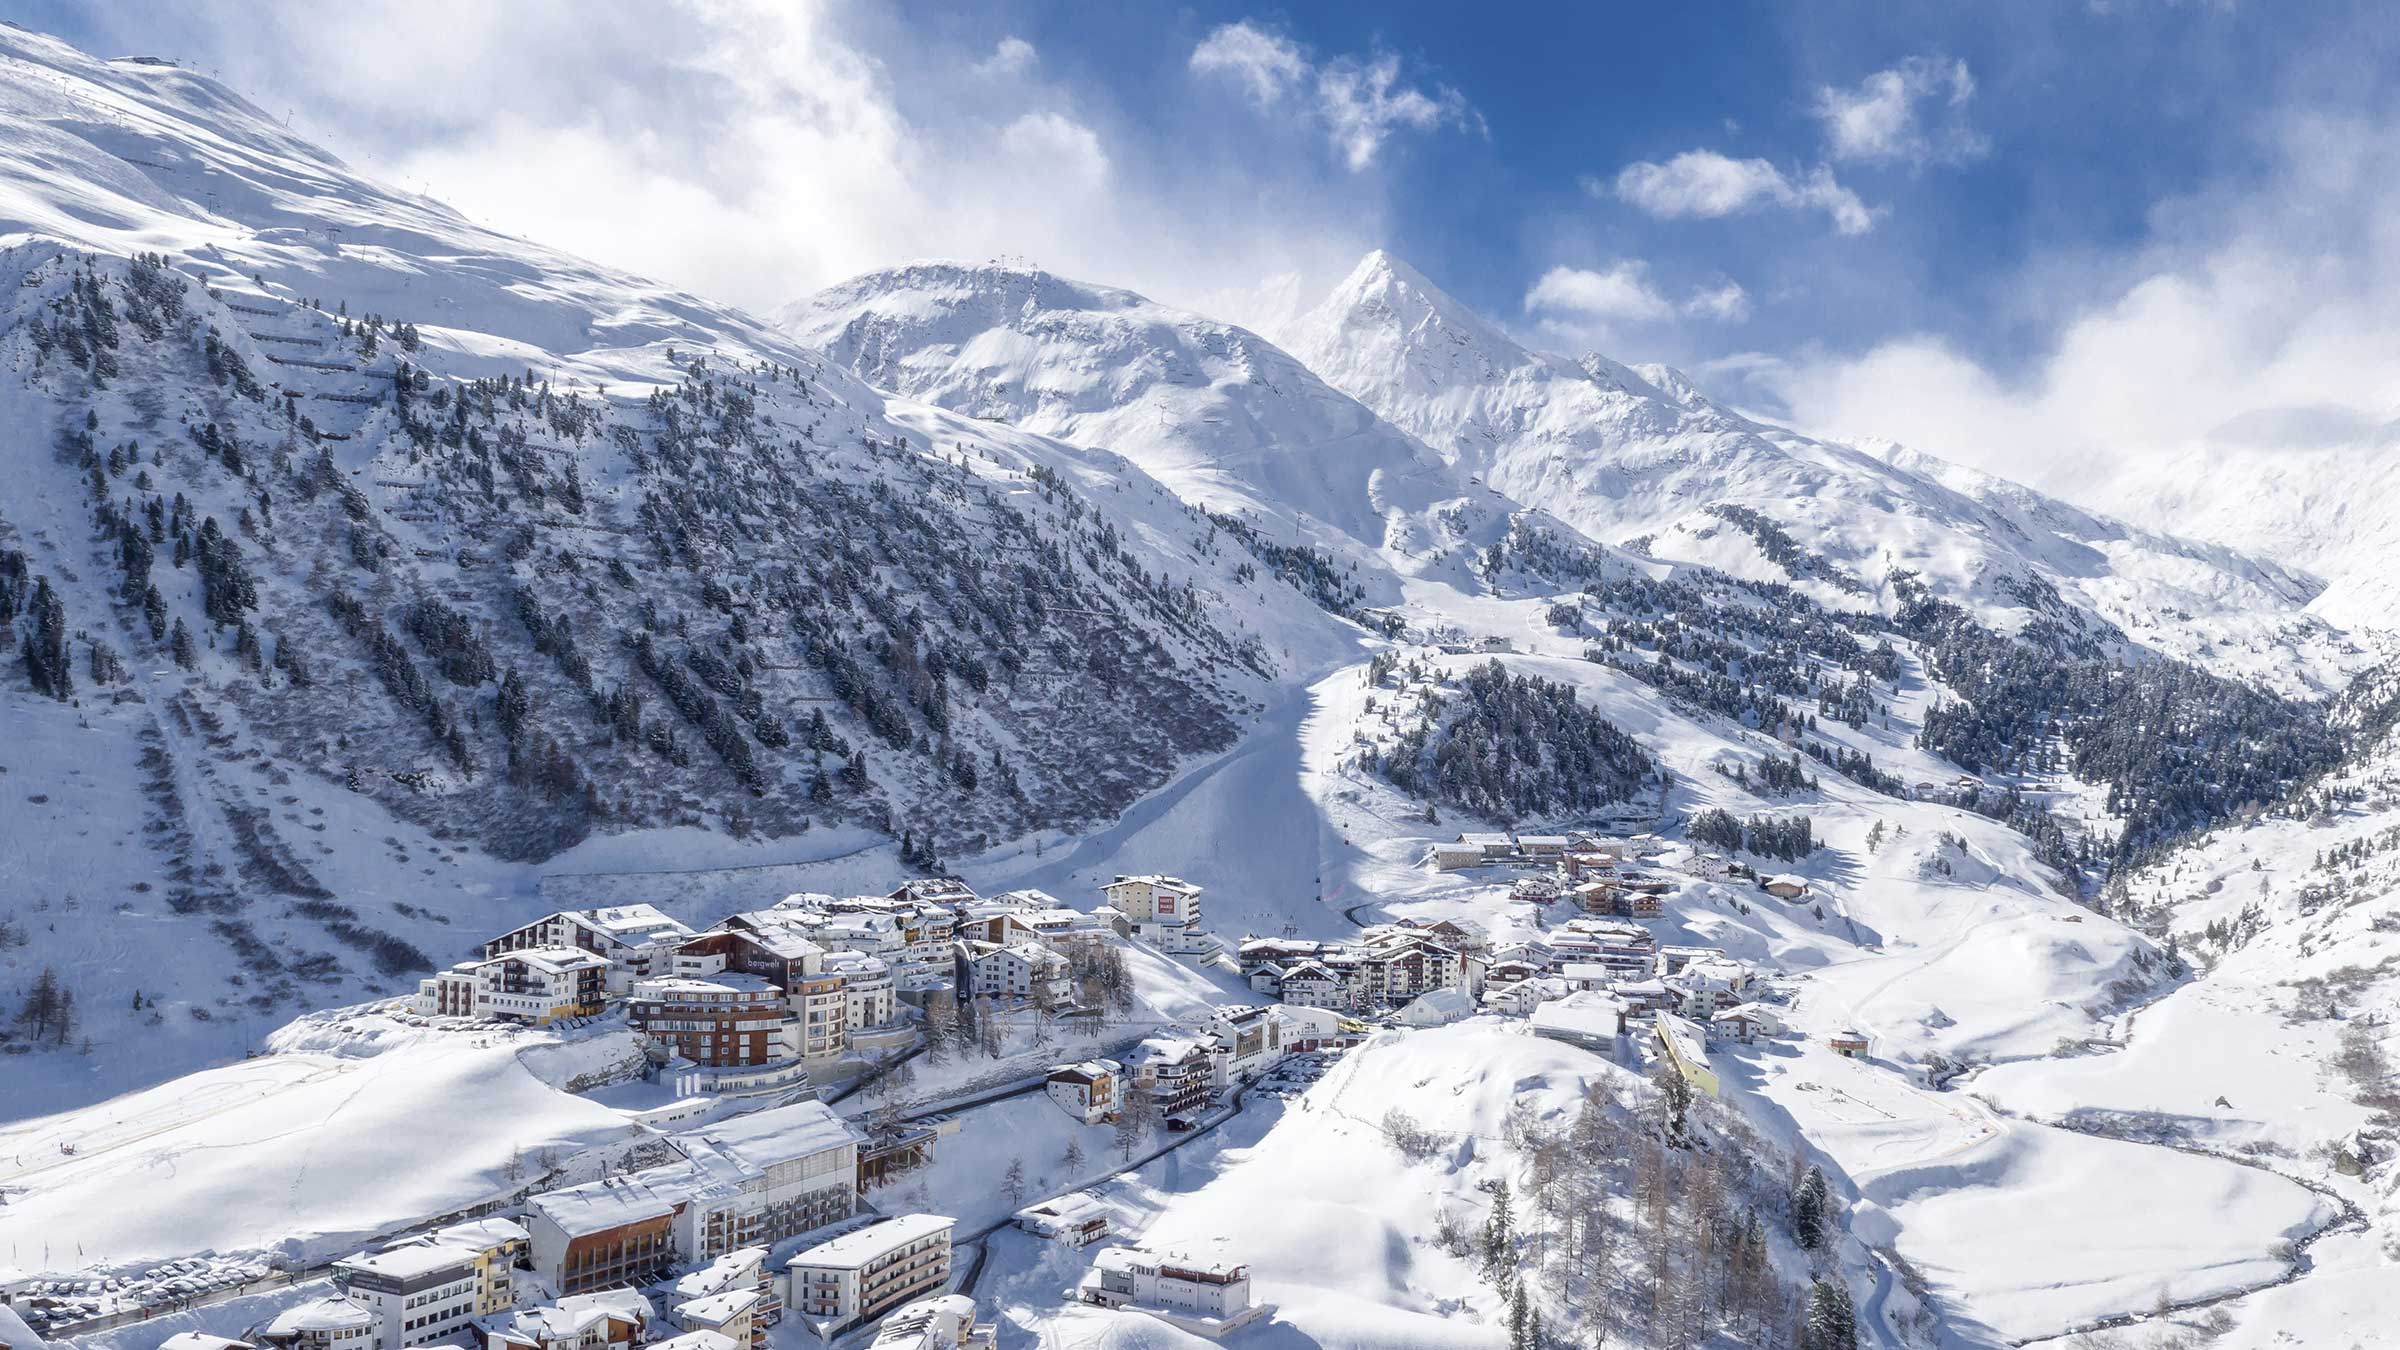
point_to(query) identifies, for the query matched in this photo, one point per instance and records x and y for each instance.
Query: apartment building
(534, 985)
(724, 1020)
(862, 1274)
(416, 1293)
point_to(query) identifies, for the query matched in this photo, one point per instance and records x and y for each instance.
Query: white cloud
(1364, 103)
(1265, 64)
(2255, 321)
(1885, 117)
(1622, 292)
(1726, 301)
(1050, 143)
(1705, 184)
(1012, 56)
(1359, 101)
(755, 153)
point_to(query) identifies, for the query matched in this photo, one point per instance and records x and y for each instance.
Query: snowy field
(269, 1155)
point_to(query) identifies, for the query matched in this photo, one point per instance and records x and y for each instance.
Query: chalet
(1684, 1046)
(1070, 1221)
(1746, 1022)
(1090, 1091)
(532, 985)
(1533, 891)
(1583, 976)
(1542, 847)
(1848, 1043)
(1785, 886)
(859, 1276)
(1511, 971)
(638, 941)
(1312, 984)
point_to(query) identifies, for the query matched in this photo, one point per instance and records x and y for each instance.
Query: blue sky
(1975, 227)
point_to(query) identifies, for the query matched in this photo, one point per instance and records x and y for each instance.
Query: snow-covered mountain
(1221, 415)
(1639, 457)
(354, 557)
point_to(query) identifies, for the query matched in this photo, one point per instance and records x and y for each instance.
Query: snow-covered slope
(1639, 456)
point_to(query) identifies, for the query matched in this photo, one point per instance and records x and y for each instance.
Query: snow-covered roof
(1440, 1005)
(181, 1340)
(864, 1245)
(717, 1308)
(635, 923)
(735, 1269)
(762, 1139)
(320, 1314)
(482, 1234)
(721, 982)
(1588, 1014)
(607, 1203)
(702, 1339)
(556, 960)
(1066, 1211)
(412, 1261)
(1087, 1070)
(927, 1324)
